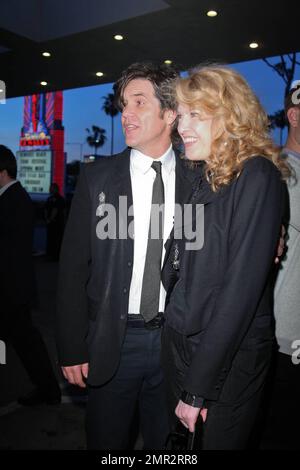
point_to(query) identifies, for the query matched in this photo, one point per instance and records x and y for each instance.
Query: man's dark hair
(8, 162)
(161, 76)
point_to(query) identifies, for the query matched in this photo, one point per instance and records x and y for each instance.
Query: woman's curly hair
(243, 126)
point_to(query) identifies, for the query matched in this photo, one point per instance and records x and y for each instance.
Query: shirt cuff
(193, 400)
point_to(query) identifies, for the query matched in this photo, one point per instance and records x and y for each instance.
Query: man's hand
(281, 245)
(74, 374)
(188, 415)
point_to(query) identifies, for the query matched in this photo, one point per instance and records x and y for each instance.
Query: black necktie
(152, 272)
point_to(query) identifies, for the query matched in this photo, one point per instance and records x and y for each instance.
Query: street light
(81, 144)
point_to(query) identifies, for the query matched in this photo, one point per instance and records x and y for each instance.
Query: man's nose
(127, 111)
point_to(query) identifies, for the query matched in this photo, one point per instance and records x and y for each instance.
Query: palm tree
(286, 69)
(96, 137)
(110, 109)
(278, 120)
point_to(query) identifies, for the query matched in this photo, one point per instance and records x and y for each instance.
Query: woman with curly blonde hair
(219, 331)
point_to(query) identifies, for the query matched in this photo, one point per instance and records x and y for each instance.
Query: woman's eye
(179, 116)
(194, 114)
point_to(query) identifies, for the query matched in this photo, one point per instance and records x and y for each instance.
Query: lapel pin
(175, 262)
(100, 208)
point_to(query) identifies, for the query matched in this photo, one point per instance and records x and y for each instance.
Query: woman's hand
(188, 415)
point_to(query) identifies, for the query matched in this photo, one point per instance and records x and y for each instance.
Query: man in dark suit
(17, 284)
(110, 298)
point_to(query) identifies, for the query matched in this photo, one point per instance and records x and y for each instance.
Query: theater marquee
(35, 169)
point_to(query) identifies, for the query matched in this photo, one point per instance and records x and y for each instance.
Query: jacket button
(125, 290)
(217, 387)
(129, 264)
(122, 317)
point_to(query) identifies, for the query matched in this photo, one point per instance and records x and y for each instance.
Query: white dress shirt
(142, 179)
(8, 185)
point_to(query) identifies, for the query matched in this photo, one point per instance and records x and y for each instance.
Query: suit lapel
(185, 181)
(191, 187)
(120, 185)
(203, 193)
(184, 188)
(121, 182)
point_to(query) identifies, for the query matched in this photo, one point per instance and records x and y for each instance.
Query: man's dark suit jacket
(222, 301)
(16, 237)
(95, 275)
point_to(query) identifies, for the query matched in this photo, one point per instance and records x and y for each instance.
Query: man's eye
(140, 102)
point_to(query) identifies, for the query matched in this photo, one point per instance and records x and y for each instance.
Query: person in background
(17, 287)
(287, 289)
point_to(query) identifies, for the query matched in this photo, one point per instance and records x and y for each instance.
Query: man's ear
(293, 116)
(170, 116)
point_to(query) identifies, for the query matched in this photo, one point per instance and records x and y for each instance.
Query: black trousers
(137, 384)
(16, 327)
(281, 417)
(230, 420)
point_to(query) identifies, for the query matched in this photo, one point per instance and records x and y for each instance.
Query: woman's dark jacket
(222, 297)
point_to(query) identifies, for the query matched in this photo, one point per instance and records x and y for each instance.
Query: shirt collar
(2, 190)
(287, 151)
(142, 163)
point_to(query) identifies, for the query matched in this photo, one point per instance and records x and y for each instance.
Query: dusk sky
(82, 109)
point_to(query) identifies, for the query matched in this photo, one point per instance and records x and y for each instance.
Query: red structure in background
(43, 130)
(57, 134)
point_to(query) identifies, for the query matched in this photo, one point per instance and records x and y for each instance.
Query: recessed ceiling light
(46, 54)
(99, 74)
(212, 13)
(118, 37)
(253, 45)
(168, 62)
(1, 90)
(44, 83)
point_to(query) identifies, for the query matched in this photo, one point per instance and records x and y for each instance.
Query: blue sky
(82, 109)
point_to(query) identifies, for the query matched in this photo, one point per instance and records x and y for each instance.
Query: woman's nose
(183, 124)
